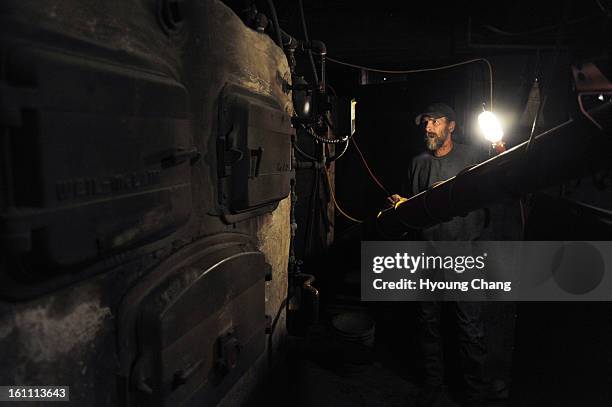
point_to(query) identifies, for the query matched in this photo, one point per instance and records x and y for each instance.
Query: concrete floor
(324, 370)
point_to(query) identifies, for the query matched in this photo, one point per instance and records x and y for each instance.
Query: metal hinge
(13, 100)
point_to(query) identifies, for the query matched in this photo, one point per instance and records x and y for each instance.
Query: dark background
(554, 353)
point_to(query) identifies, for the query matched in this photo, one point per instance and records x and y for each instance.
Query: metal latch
(228, 352)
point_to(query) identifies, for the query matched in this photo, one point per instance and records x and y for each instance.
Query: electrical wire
(332, 89)
(327, 140)
(604, 9)
(279, 37)
(333, 196)
(337, 156)
(545, 88)
(305, 29)
(312, 210)
(439, 68)
(538, 30)
(544, 91)
(305, 154)
(369, 170)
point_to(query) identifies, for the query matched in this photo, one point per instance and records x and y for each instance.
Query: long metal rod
(562, 153)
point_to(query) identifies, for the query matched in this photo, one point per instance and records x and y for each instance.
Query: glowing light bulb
(490, 127)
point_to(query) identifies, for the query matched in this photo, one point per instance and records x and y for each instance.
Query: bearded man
(443, 159)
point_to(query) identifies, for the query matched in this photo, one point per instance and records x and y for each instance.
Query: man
(442, 160)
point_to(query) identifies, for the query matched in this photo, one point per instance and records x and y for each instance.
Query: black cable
(336, 156)
(523, 202)
(544, 29)
(293, 227)
(312, 63)
(345, 139)
(411, 71)
(310, 219)
(327, 140)
(279, 37)
(606, 11)
(304, 154)
(544, 89)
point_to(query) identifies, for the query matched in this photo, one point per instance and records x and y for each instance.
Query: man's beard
(433, 141)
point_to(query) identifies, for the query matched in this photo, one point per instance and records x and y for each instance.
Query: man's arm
(395, 199)
(409, 187)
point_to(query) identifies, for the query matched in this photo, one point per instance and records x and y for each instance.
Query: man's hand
(395, 199)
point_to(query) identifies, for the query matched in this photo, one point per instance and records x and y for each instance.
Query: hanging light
(491, 129)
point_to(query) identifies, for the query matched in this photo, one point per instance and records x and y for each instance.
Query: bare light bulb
(490, 127)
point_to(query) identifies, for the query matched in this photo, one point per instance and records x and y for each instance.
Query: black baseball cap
(437, 110)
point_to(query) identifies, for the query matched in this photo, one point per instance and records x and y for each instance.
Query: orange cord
(333, 195)
(369, 170)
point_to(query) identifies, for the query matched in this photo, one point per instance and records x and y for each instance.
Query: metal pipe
(279, 38)
(307, 285)
(557, 155)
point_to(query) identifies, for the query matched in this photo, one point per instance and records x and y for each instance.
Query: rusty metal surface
(122, 83)
(173, 320)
